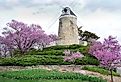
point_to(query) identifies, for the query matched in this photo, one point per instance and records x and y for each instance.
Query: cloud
(99, 16)
(89, 5)
(102, 22)
(111, 5)
(12, 1)
(9, 4)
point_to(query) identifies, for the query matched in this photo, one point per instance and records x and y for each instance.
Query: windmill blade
(60, 5)
(53, 22)
(67, 3)
(73, 3)
(73, 6)
(55, 18)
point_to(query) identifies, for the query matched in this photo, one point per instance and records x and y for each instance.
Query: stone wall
(68, 31)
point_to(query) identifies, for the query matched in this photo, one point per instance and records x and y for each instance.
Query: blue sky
(102, 17)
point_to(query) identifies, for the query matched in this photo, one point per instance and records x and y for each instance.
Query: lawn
(2, 79)
(99, 70)
(41, 75)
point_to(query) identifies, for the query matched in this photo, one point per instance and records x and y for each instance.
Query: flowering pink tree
(21, 36)
(108, 53)
(72, 56)
(53, 37)
(46, 40)
(5, 47)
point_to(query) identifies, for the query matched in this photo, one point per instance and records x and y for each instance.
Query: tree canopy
(86, 35)
(20, 36)
(108, 53)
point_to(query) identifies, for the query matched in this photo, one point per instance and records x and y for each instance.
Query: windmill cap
(67, 11)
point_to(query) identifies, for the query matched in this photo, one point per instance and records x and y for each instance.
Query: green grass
(2, 79)
(38, 74)
(99, 70)
(30, 60)
(63, 47)
(42, 80)
(58, 50)
(49, 56)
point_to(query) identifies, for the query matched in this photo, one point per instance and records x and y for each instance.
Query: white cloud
(41, 2)
(102, 22)
(12, 1)
(94, 15)
(110, 5)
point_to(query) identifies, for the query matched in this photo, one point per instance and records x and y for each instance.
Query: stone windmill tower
(68, 30)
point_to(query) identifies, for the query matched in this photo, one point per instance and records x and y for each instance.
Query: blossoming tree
(72, 56)
(20, 36)
(108, 53)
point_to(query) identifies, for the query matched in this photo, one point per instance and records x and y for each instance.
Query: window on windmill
(65, 10)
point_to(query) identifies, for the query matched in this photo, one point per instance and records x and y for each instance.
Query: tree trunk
(11, 54)
(22, 53)
(111, 75)
(73, 68)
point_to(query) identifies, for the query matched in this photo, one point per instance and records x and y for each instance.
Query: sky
(102, 17)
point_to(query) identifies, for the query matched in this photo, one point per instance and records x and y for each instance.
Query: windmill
(68, 30)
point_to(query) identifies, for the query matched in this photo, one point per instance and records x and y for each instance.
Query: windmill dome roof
(67, 11)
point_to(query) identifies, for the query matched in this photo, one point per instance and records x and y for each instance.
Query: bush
(99, 70)
(33, 60)
(46, 74)
(63, 47)
(30, 60)
(52, 52)
(55, 52)
(58, 47)
(87, 60)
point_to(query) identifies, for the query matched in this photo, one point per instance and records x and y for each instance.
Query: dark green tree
(86, 35)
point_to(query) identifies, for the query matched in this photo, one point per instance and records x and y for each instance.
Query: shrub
(33, 60)
(30, 60)
(99, 70)
(87, 60)
(76, 46)
(48, 52)
(52, 52)
(58, 47)
(63, 47)
(46, 74)
(55, 52)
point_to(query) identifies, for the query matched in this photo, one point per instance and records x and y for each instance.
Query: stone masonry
(68, 30)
